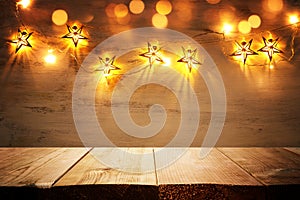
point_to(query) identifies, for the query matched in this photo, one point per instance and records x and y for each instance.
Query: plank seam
(286, 148)
(71, 167)
(242, 167)
(155, 170)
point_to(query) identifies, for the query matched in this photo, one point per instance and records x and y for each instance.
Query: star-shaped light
(22, 40)
(152, 54)
(189, 58)
(244, 50)
(107, 65)
(270, 47)
(74, 34)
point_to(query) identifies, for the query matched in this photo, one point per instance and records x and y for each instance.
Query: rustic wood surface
(271, 166)
(77, 173)
(39, 167)
(91, 171)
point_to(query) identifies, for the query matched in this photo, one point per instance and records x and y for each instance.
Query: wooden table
(74, 173)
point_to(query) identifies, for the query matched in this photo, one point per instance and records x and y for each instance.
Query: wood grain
(269, 165)
(213, 169)
(132, 167)
(293, 149)
(38, 167)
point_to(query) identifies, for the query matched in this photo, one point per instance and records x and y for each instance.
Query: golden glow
(167, 61)
(293, 19)
(244, 27)
(50, 58)
(124, 20)
(159, 21)
(271, 67)
(254, 21)
(274, 5)
(24, 3)
(164, 7)
(109, 10)
(121, 10)
(213, 1)
(136, 6)
(59, 17)
(227, 28)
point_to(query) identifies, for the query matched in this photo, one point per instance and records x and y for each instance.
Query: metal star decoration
(74, 34)
(152, 54)
(189, 58)
(22, 40)
(244, 50)
(270, 47)
(107, 65)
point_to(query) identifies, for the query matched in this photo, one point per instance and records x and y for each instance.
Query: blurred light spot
(124, 20)
(87, 18)
(275, 5)
(271, 66)
(59, 17)
(254, 21)
(213, 1)
(244, 27)
(110, 10)
(183, 7)
(293, 19)
(227, 28)
(121, 10)
(136, 6)
(159, 21)
(24, 3)
(167, 61)
(50, 58)
(164, 7)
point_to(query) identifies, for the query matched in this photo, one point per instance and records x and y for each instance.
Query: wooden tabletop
(82, 173)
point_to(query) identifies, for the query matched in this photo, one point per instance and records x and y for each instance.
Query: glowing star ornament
(244, 50)
(189, 58)
(22, 40)
(74, 34)
(152, 54)
(270, 47)
(107, 65)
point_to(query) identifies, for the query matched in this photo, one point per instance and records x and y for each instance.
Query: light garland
(107, 65)
(189, 58)
(244, 50)
(22, 40)
(152, 54)
(74, 34)
(270, 47)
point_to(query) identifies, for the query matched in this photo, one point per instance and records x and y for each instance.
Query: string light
(152, 54)
(24, 3)
(293, 19)
(21, 40)
(270, 47)
(50, 58)
(227, 28)
(189, 58)
(244, 50)
(74, 34)
(107, 65)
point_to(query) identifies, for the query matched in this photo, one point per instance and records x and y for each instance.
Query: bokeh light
(24, 3)
(254, 21)
(164, 7)
(159, 21)
(124, 20)
(293, 19)
(244, 27)
(227, 28)
(121, 10)
(136, 6)
(213, 1)
(110, 10)
(274, 5)
(59, 17)
(50, 58)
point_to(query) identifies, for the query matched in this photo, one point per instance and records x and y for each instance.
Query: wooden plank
(38, 167)
(272, 166)
(294, 149)
(133, 167)
(213, 169)
(213, 177)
